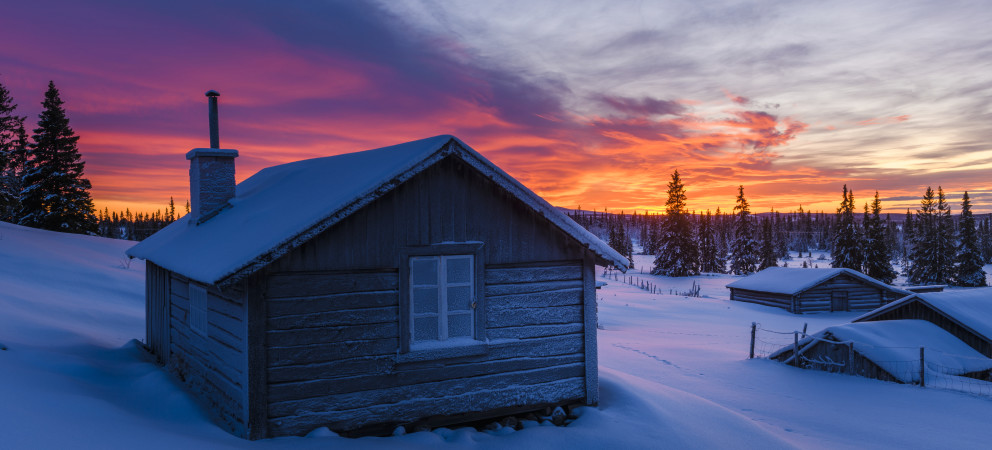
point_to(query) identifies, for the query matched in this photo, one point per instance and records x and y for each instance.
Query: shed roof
(895, 345)
(281, 207)
(795, 280)
(969, 307)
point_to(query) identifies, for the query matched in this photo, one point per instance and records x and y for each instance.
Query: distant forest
(930, 245)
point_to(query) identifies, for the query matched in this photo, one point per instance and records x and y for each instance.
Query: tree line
(42, 183)
(930, 246)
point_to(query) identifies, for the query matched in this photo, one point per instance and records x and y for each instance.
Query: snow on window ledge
(449, 348)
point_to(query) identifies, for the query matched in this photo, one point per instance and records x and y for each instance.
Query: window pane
(423, 270)
(460, 298)
(425, 329)
(459, 269)
(425, 300)
(459, 325)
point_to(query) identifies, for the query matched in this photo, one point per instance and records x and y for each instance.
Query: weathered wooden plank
(220, 399)
(334, 318)
(307, 354)
(322, 335)
(589, 320)
(234, 326)
(351, 300)
(211, 366)
(376, 394)
(533, 274)
(257, 385)
(228, 361)
(225, 306)
(497, 317)
(545, 299)
(179, 287)
(308, 284)
(526, 353)
(528, 288)
(177, 312)
(345, 368)
(404, 411)
(534, 331)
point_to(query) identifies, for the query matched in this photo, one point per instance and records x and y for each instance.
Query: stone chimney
(211, 173)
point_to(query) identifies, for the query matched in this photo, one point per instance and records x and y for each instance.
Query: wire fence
(649, 284)
(922, 366)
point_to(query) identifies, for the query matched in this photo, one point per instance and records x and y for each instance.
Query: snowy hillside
(674, 373)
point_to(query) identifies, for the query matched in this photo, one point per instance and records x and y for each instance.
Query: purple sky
(590, 103)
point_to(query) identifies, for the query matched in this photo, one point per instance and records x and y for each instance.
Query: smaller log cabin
(800, 290)
(966, 314)
(887, 350)
(412, 284)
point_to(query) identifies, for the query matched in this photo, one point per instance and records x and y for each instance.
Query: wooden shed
(800, 290)
(417, 283)
(887, 350)
(966, 314)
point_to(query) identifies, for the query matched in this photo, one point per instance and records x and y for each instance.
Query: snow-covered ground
(674, 373)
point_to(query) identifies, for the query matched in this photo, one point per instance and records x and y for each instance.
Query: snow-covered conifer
(968, 261)
(54, 194)
(847, 242)
(677, 252)
(13, 152)
(743, 251)
(877, 253)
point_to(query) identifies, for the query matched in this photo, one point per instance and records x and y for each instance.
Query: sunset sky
(590, 103)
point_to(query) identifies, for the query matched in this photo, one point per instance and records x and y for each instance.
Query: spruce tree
(968, 261)
(767, 250)
(710, 257)
(877, 253)
(13, 154)
(847, 245)
(923, 256)
(944, 242)
(54, 194)
(743, 254)
(677, 253)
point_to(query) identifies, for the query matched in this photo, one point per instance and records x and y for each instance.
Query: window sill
(435, 351)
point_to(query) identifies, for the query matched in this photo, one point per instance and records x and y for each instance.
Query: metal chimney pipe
(214, 132)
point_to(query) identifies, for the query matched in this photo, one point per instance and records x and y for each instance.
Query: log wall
(861, 296)
(918, 311)
(333, 341)
(213, 367)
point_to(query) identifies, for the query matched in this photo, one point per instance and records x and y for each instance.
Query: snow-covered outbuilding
(966, 314)
(887, 350)
(800, 290)
(417, 283)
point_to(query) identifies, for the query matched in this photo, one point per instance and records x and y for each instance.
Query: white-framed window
(198, 309)
(442, 298)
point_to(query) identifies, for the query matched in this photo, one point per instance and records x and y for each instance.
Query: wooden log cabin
(412, 284)
(966, 314)
(800, 290)
(887, 350)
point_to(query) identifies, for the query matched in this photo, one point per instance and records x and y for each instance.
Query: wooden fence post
(754, 327)
(850, 358)
(923, 366)
(795, 348)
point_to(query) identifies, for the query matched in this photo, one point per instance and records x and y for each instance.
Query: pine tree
(55, 196)
(968, 261)
(846, 250)
(923, 255)
(945, 238)
(877, 253)
(677, 254)
(13, 154)
(743, 254)
(767, 250)
(710, 258)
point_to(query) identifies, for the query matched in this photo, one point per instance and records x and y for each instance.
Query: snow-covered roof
(969, 307)
(895, 345)
(283, 206)
(794, 280)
